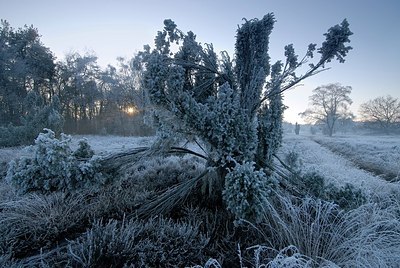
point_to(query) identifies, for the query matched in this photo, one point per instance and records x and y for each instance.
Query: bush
(53, 166)
(314, 184)
(246, 191)
(12, 136)
(292, 159)
(347, 197)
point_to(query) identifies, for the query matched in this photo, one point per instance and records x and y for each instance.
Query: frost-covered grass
(378, 154)
(36, 221)
(97, 228)
(103, 145)
(333, 167)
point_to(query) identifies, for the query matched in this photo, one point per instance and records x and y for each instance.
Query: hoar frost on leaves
(54, 166)
(247, 190)
(232, 107)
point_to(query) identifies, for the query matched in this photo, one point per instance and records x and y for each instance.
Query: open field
(377, 154)
(87, 228)
(340, 169)
(364, 161)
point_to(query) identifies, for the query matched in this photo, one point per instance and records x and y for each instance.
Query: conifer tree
(234, 107)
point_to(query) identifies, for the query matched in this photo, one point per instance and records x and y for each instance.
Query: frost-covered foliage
(286, 257)
(54, 166)
(346, 197)
(269, 257)
(234, 107)
(368, 236)
(84, 150)
(156, 243)
(158, 173)
(36, 221)
(246, 191)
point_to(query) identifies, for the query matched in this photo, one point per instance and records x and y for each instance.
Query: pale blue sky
(121, 28)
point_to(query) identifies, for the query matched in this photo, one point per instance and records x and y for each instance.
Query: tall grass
(155, 243)
(368, 236)
(36, 221)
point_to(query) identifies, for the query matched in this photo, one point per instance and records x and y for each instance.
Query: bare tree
(383, 112)
(329, 103)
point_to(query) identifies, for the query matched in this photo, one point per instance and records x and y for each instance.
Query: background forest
(74, 95)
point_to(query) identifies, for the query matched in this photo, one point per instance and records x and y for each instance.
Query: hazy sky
(121, 28)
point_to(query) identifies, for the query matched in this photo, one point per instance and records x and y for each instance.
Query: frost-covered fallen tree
(231, 108)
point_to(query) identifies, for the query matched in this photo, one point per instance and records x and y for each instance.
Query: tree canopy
(26, 65)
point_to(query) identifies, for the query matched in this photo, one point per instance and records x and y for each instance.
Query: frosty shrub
(40, 116)
(315, 184)
(231, 106)
(292, 159)
(347, 197)
(53, 166)
(84, 151)
(268, 257)
(12, 136)
(246, 191)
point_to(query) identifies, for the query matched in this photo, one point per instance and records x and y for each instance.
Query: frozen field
(378, 154)
(371, 228)
(341, 160)
(102, 145)
(337, 168)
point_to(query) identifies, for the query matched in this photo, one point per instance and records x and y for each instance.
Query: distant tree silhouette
(329, 103)
(382, 113)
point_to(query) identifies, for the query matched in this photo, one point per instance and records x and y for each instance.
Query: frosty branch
(234, 108)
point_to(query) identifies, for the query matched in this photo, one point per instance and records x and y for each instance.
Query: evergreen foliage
(234, 108)
(26, 66)
(37, 117)
(246, 191)
(53, 166)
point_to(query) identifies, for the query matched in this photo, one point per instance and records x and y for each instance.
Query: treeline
(73, 95)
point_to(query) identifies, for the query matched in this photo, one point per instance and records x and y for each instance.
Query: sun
(131, 110)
